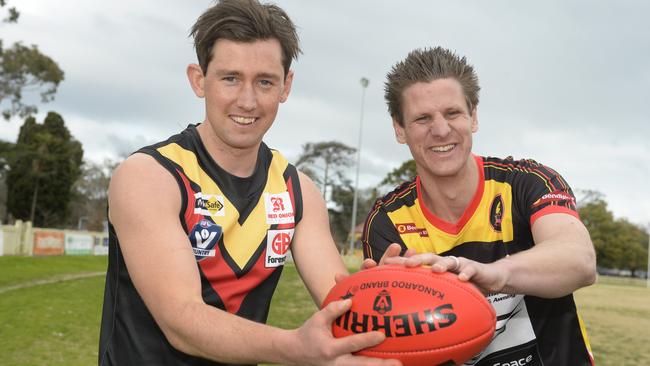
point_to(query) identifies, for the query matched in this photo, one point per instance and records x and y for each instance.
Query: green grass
(14, 270)
(58, 323)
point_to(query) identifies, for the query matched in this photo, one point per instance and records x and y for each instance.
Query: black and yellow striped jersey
(510, 196)
(240, 230)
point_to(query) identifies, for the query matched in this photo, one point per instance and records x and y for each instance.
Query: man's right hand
(316, 345)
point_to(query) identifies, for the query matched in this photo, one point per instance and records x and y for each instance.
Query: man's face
(438, 127)
(243, 87)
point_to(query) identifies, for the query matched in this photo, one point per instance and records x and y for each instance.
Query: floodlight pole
(364, 85)
(647, 273)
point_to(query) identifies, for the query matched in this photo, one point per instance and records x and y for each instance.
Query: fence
(22, 239)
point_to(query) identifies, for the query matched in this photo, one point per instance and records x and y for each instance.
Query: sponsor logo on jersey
(410, 228)
(203, 237)
(555, 196)
(279, 209)
(209, 204)
(277, 245)
(496, 213)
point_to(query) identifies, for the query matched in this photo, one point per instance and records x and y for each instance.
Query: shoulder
(404, 194)
(509, 169)
(137, 180)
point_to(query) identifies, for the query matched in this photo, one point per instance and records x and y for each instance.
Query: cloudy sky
(563, 82)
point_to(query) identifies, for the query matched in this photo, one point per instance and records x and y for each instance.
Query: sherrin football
(429, 318)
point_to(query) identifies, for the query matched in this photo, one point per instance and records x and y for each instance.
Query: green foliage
(404, 173)
(25, 68)
(618, 243)
(331, 157)
(43, 168)
(13, 14)
(88, 204)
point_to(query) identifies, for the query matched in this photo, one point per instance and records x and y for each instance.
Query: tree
(6, 149)
(404, 173)
(90, 194)
(619, 243)
(25, 69)
(332, 157)
(42, 170)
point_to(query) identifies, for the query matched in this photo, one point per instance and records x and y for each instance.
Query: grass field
(58, 323)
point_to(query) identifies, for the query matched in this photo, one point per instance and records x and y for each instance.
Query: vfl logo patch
(555, 196)
(410, 228)
(277, 246)
(204, 236)
(209, 204)
(496, 213)
(279, 209)
(383, 303)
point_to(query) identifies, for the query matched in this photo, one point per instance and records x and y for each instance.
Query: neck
(448, 197)
(239, 162)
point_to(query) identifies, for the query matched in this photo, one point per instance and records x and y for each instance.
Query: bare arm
(313, 248)
(562, 261)
(144, 205)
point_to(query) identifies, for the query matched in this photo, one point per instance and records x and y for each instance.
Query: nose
(439, 126)
(247, 99)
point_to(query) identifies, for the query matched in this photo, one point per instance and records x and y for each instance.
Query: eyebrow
(264, 75)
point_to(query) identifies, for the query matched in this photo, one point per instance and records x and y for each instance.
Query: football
(429, 318)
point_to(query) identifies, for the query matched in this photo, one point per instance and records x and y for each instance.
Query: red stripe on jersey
(553, 209)
(223, 280)
(190, 218)
(455, 228)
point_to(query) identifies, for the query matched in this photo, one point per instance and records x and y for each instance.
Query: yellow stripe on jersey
(477, 228)
(241, 241)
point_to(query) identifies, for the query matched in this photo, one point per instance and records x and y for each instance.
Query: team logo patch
(277, 246)
(279, 209)
(555, 196)
(209, 204)
(496, 213)
(410, 228)
(204, 236)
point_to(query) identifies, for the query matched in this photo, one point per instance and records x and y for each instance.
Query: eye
(266, 83)
(229, 78)
(453, 114)
(422, 119)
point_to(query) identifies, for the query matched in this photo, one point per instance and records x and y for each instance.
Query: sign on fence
(2, 238)
(48, 242)
(78, 244)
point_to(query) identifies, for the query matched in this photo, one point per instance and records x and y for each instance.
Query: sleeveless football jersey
(511, 195)
(240, 230)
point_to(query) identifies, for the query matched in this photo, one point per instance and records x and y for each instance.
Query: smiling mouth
(244, 121)
(444, 148)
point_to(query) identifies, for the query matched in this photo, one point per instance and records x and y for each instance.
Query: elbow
(174, 331)
(589, 270)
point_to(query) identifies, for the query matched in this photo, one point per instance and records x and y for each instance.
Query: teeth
(443, 148)
(243, 120)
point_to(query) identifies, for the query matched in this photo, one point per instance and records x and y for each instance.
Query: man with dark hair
(200, 224)
(508, 226)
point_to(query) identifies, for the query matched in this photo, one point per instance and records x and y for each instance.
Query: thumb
(335, 309)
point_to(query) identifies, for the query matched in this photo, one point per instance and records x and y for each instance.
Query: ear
(400, 132)
(196, 79)
(288, 81)
(474, 117)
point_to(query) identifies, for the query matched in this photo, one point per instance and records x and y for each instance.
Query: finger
(393, 250)
(353, 360)
(340, 277)
(335, 309)
(357, 342)
(368, 263)
(410, 252)
(395, 260)
(467, 273)
(449, 263)
(422, 259)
